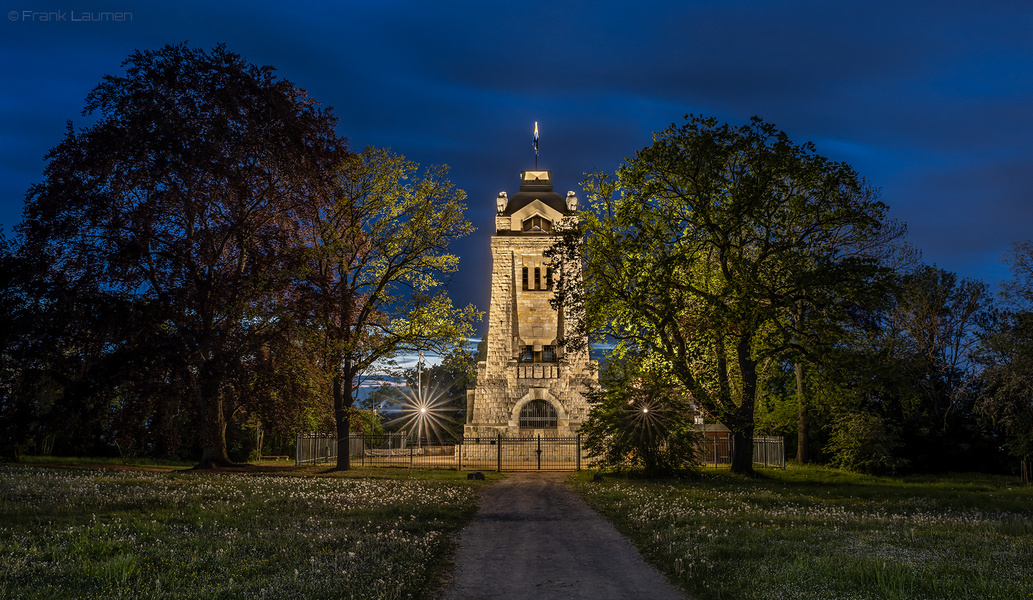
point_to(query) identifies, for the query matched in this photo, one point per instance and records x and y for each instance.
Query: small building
(531, 383)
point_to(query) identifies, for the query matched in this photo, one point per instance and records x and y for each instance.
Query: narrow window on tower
(537, 278)
(548, 278)
(525, 278)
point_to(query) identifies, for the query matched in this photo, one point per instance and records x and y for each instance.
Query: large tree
(704, 246)
(1007, 355)
(183, 200)
(936, 327)
(379, 259)
(826, 330)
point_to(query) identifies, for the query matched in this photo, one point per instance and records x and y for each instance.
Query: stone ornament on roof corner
(571, 201)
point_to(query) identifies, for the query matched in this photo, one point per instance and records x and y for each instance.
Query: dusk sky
(930, 101)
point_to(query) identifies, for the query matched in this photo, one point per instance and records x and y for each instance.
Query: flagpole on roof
(536, 145)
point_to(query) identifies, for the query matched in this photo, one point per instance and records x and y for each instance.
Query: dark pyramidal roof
(535, 185)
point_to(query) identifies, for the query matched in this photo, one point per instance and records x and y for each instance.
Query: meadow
(110, 531)
(813, 533)
(85, 532)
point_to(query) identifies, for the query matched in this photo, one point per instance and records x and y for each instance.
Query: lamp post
(419, 377)
(419, 394)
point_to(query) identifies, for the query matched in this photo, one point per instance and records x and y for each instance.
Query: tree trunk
(742, 432)
(342, 406)
(801, 419)
(259, 438)
(801, 414)
(742, 453)
(213, 425)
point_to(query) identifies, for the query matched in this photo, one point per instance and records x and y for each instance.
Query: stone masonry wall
(517, 316)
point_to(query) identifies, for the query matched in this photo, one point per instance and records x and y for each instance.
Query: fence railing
(316, 448)
(537, 453)
(768, 451)
(497, 453)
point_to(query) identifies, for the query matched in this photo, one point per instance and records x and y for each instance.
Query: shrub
(640, 419)
(864, 443)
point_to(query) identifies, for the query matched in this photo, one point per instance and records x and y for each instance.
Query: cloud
(964, 218)
(930, 100)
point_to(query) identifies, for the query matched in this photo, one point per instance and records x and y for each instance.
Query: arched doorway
(538, 414)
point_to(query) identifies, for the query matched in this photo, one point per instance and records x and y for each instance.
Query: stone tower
(530, 384)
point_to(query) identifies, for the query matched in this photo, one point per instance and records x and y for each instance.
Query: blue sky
(931, 101)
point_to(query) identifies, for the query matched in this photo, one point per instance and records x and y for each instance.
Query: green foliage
(209, 253)
(367, 422)
(450, 378)
(378, 262)
(1007, 357)
(864, 443)
(445, 384)
(701, 250)
(640, 419)
(919, 371)
(173, 217)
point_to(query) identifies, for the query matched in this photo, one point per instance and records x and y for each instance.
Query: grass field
(822, 534)
(117, 532)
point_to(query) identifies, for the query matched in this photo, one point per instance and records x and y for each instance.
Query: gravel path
(534, 539)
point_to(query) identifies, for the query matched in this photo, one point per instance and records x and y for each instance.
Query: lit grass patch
(128, 534)
(820, 533)
(91, 461)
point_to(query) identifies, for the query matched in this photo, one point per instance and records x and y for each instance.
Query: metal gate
(537, 453)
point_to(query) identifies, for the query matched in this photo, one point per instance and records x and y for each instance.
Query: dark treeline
(752, 280)
(907, 390)
(208, 269)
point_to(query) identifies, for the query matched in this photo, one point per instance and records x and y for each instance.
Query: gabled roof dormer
(535, 209)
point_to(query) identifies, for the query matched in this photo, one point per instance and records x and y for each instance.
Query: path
(534, 539)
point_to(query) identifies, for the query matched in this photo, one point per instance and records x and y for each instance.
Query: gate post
(498, 450)
(577, 451)
(539, 452)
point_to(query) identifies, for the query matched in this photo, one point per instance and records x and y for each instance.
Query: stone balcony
(538, 371)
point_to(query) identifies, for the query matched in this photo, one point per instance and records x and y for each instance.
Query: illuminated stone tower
(529, 383)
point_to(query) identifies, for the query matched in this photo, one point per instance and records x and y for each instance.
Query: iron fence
(377, 450)
(403, 451)
(537, 453)
(498, 453)
(315, 448)
(768, 451)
